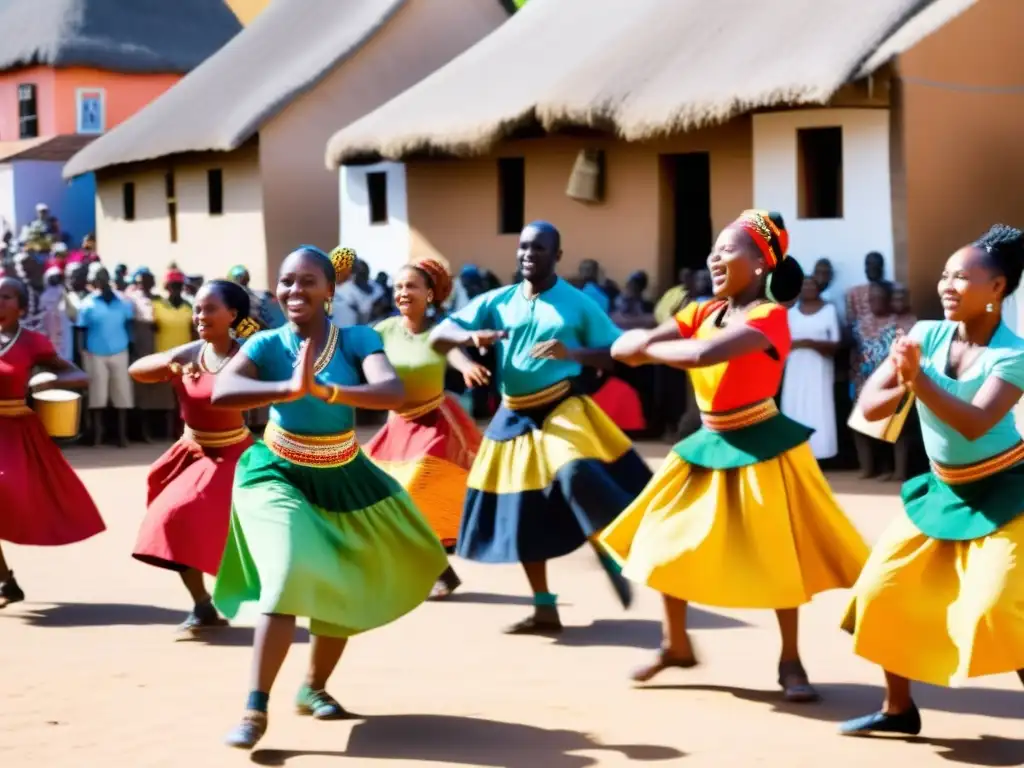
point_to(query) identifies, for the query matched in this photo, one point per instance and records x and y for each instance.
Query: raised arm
(383, 390)
(699, 353)
(159, 367)
(238, 385)
(882, 393)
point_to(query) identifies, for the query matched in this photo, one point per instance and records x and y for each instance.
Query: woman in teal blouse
(941, 598)
(316, 529)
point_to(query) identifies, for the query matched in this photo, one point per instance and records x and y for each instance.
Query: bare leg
(676, 649)
(313, 699)
(545, 619)
(865, 455)
(193, 581)
(897, 694)
(10, 592)
(792, 675)
(274, 633)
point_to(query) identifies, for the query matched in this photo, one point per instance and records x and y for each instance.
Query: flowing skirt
(942, 610)
(430, 457)
(343, 546)
(546, 480)
(739, 521)
(189, 507)
(42, 501)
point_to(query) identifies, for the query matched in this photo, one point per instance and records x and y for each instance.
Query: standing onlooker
(105, 317)
(264, 308)
(903, 316)
(807, 385)
(30, 270)
(172, 328)
(357, 298)
(192, 285)
(589, 282)
(858, 300)
(702, 288)
(56, 324)
(873, 336)
(121, 277)
(86, 254)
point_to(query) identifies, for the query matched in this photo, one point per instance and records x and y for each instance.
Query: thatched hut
(872, 126)
(227, 166)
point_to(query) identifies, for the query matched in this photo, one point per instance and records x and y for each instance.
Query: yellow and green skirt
(317, 530)
(551, 472)
(739, 516)
(941, 599)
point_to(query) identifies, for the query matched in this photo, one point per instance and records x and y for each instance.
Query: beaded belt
(546, 396)
(317, 451)
(217, 439)
(958, 475)
(422, 410)
(747, 416)
(12, 408)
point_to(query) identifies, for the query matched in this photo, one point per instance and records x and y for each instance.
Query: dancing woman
(44, 503)
(553, 470)
(430, 443)
(317, 530)
(941, 598)
(189, 487)
(739, 515)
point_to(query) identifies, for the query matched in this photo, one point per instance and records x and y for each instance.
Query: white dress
(807, 386)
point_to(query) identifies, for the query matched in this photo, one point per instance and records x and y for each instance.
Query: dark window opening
(511, 195)
(377, 189)
(128, 200)
(172, 205)
(215, 191)
(28, 114)
(820, 173)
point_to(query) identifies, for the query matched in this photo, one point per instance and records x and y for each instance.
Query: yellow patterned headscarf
(342, 259)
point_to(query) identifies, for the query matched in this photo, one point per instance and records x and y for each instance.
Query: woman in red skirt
(189, 494)
(429, 445)
(42, 501)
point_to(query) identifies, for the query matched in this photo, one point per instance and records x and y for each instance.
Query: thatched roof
(130, 36)
(222, 103)
(640, 68)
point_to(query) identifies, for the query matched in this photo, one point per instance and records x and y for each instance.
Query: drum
(59, 410)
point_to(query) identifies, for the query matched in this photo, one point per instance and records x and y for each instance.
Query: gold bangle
(335, 393)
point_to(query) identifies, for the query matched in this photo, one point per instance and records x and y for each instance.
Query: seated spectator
(589, 277)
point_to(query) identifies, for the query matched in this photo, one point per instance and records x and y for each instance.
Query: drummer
(45, 503)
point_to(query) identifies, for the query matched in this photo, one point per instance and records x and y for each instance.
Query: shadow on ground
(486, 598)
(469, 741)
(128, 615)
(842, 701)
(638, 633)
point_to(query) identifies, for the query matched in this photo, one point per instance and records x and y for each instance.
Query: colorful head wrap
(768, 232)
(342, 259)
(439, 276)
(236, 272)
(174, 276)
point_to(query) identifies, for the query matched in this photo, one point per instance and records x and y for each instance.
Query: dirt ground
(91, 676)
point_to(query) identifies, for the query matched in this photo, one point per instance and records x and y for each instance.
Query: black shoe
(10, 592)
(447, 583)
(545, 621)
(907, 723)
(203, 616)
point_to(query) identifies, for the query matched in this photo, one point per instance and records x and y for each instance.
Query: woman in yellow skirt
(949, 573)
(739, 515)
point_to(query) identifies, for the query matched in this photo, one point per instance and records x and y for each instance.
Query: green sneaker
(319, 704)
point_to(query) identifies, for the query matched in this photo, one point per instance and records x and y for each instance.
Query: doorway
(689, 178)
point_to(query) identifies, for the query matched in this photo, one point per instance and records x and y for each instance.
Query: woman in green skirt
(316, 529)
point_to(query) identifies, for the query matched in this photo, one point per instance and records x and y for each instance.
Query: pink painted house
(71, 70)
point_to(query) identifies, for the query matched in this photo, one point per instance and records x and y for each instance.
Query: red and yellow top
(744, 380)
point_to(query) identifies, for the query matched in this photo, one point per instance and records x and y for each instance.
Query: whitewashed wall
(8, 210)
(385, 247)
(867, 209)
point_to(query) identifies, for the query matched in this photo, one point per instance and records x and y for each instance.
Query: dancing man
(317, 530)
(189, 487)
(739, 515)
(941, 599)
(553, 470)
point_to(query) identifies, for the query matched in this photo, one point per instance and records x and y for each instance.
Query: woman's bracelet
(334, 396)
